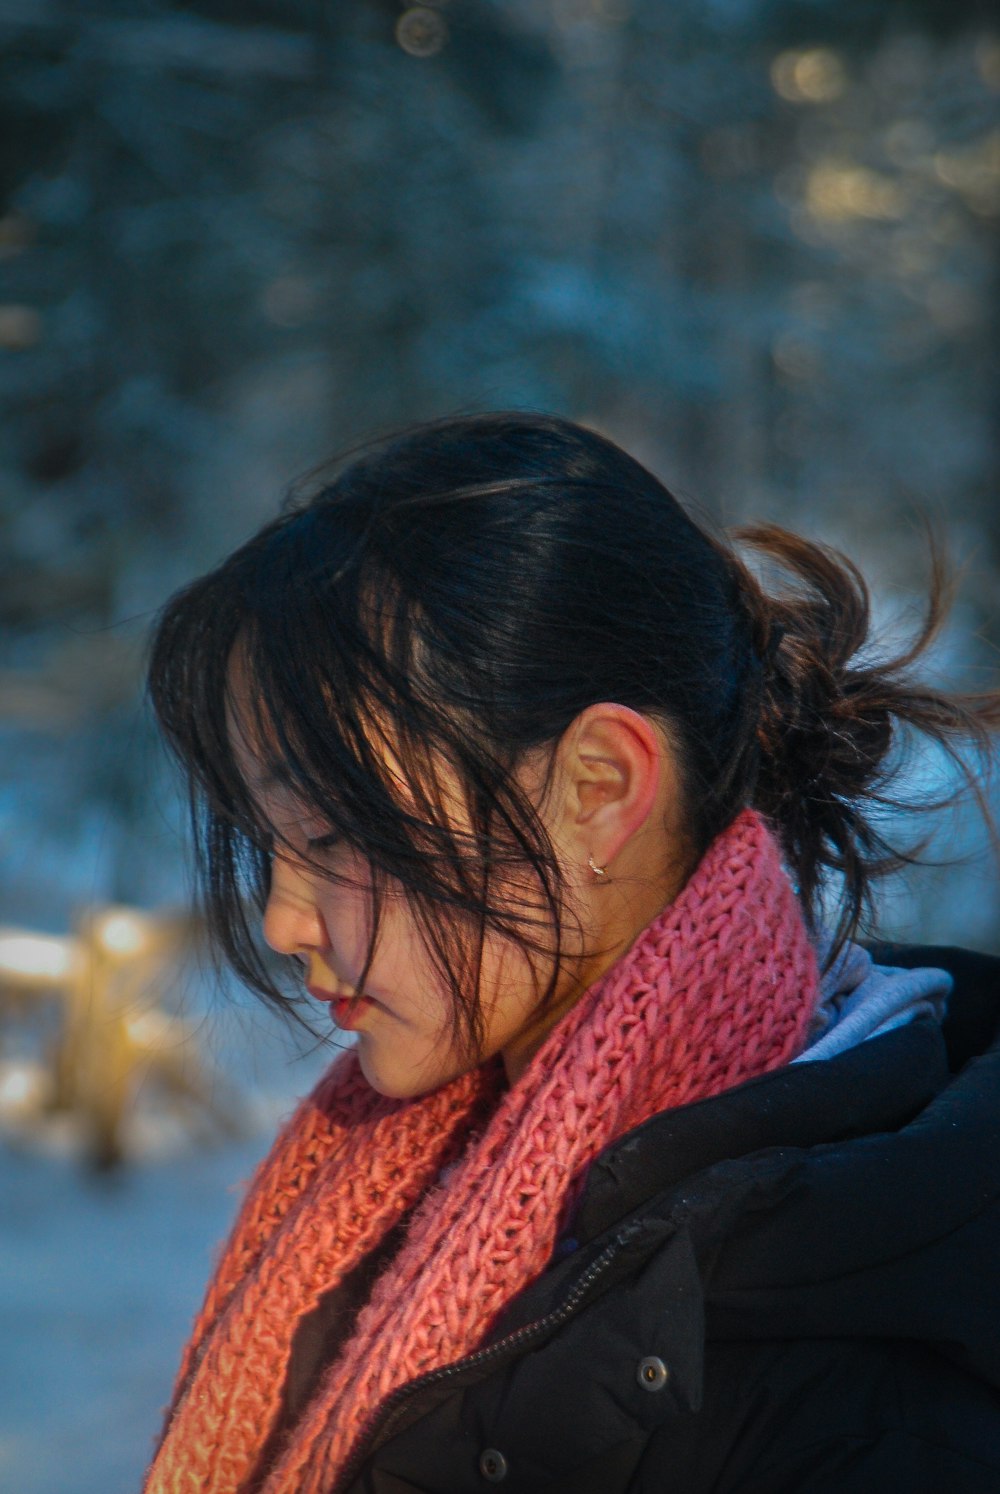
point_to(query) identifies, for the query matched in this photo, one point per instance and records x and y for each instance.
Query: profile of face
(319, 913)
(402, 1015)
(605, 783)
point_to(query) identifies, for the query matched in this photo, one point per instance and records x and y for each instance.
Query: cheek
(344, 910)
(404, 969)
(510, 990)
(402, 972)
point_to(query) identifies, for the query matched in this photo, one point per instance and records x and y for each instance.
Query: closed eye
(323, 842)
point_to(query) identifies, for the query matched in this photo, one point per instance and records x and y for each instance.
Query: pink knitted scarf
(718, 989)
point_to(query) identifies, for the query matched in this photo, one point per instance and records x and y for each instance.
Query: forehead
(277, 773)
(252, 737)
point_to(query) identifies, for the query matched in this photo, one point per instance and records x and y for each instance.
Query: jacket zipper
(382, 1419)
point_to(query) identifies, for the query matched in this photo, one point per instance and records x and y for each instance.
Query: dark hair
(461, 593)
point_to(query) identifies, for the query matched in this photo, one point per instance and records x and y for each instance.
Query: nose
(292, 923)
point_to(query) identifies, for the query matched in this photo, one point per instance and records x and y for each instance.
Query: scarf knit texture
(718, 989)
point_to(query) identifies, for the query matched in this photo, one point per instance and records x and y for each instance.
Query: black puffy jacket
(792, 1288)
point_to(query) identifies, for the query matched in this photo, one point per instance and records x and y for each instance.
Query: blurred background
(755, 241)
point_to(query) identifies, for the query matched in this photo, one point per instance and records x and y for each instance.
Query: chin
(401, 1081)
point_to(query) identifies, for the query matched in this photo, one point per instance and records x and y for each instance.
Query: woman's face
(402, 1017)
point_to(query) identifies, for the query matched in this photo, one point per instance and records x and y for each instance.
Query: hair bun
(832, 710)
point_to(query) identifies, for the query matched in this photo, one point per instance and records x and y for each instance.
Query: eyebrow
(276, 774)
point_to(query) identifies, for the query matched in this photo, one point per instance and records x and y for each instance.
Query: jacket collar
(877, 1087)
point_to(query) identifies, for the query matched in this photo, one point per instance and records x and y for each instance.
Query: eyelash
(323, 842)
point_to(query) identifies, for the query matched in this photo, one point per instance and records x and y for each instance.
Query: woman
(639, 1176)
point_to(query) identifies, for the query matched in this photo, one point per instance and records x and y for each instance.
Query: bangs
(319, 670)
(284, 652)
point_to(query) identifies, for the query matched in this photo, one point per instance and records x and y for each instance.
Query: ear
(613, 763)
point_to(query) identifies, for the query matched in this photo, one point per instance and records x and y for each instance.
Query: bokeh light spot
(123, 932)
(814, 75)
(43, 957)
(421, 32)
(839, 191)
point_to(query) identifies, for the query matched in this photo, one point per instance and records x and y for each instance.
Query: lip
(346, 1011)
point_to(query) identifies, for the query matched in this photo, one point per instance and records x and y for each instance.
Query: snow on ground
(100, 1278)
(99, 1283)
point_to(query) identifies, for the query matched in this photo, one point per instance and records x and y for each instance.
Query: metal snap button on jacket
(493, 1465)
(652, 1373)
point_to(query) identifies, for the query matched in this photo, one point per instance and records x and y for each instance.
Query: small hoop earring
(599, 871)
